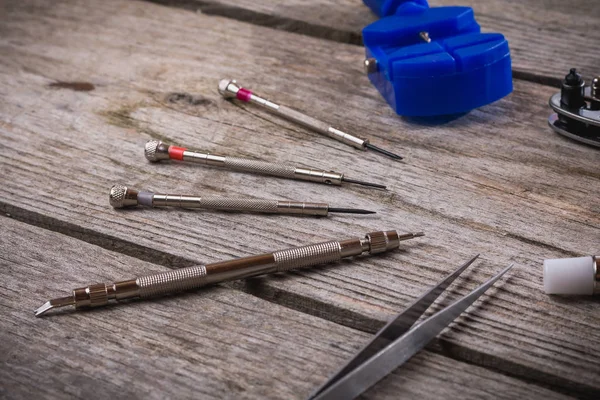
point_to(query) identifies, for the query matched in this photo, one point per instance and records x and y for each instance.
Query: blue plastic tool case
(459, 70)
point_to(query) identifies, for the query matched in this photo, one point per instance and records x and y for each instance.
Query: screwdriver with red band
(158, 150)
(230, 89)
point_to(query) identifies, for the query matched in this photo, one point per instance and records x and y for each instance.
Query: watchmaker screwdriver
(230, 88)
(178, 280)
(121, 196)
(157, 151)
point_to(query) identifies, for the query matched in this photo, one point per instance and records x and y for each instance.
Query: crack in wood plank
(343, 20)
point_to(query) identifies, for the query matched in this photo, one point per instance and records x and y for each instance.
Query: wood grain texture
(211, 343)
(546, 38)
(497, 181)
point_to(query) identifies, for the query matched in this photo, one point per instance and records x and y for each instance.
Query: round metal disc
(590, 117)
(557, 127)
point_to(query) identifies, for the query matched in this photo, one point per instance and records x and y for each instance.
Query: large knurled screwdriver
(231, 89)
(157, 150)
(188, 278)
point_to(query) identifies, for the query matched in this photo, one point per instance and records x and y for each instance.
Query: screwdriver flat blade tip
(45, 307)
(382, 151)
(350, 210)
(408, 236)
(55, 303)
(375, 185)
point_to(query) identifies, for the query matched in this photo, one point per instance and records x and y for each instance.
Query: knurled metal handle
(98, 295)
(379, 242)
(171, 281)
(265, 206)
(307, 256)
(222, 203)
(261, 167)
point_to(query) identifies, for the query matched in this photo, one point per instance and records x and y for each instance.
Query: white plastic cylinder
(569, 276)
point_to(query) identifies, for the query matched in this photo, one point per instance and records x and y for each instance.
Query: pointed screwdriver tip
(350, 210)
(375, 185)
(382, 151)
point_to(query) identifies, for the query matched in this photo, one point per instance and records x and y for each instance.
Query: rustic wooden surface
(215, 343)
(84, 86)
(547, 38)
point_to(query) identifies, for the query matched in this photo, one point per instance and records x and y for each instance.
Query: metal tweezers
(399, 340)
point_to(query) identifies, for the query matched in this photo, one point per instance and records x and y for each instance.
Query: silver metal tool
(230, 88)
(399, 340)
(200, 275)
(121, 196)
(157, 151)
(577, 109)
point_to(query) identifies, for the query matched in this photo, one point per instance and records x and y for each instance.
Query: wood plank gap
(99, 239)
(299, 303)
(253, 287)
(305, 28)
(507, 368)
(543, 80)
(262, 19)
(442, 347)
(75, 355)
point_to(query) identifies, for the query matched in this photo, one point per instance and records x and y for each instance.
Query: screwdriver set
(424, 61)
(413, 31)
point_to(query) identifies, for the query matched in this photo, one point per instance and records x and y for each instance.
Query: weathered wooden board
(212, 343)
(547, 38)
(497, 181)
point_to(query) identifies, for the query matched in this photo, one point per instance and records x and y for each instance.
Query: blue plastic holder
(458, 70)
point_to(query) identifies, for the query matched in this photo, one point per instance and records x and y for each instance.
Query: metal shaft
(157, 150)
(122, 196)
(193, 277)
(230, 89)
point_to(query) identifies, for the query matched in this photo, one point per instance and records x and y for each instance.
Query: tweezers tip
(501, 273)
